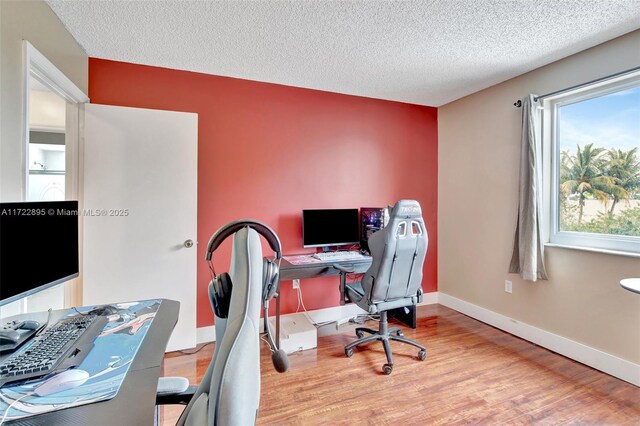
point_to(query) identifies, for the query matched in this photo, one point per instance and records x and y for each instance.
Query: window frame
(554, 237)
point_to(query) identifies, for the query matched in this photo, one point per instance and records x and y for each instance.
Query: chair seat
(355, 293)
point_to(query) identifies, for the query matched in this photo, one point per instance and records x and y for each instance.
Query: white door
(140, 199)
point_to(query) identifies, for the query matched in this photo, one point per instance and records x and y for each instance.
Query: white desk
(631, 284)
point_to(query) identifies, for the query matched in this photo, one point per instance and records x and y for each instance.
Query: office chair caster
(387, 369)
(348, 353)
(399, 333)
(422, 355)
(359, 334)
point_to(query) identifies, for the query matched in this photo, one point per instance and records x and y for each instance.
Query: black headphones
(221, 286)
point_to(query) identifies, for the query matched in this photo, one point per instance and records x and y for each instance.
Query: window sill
(594, 250)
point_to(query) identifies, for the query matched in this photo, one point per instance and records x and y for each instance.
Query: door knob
(188, 243)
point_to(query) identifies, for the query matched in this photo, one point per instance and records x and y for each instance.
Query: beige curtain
(528, 248)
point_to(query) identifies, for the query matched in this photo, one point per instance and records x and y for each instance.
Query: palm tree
(582, 174)
(624, 168)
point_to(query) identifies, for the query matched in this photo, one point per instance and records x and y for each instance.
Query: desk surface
(316, 268)
(135, 402)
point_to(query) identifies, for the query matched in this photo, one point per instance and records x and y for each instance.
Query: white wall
(477, 195)
(46, 110)
(35, 22)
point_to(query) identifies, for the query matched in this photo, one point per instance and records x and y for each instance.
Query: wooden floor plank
(473, 374)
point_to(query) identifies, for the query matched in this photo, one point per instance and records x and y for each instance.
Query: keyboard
(63, 345)
(337, 256)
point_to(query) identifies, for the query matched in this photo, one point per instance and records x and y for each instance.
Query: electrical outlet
(508, 286)
(296, 284)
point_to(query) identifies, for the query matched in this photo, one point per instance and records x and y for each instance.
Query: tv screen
(330, 227)
(38, 246)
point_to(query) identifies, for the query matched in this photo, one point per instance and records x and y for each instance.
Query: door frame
(37, 65)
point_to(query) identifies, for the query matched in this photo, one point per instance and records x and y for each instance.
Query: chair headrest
(406, 209)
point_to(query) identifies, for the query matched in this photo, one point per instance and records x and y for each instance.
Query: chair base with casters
(384, 334)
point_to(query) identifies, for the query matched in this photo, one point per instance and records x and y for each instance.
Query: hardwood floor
(473, 373)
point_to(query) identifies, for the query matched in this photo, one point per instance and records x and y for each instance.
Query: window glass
(595, 141)
(598, 159)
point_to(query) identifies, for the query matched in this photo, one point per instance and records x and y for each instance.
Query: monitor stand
(13, 334)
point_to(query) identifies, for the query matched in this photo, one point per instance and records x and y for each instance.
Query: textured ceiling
(423, 52)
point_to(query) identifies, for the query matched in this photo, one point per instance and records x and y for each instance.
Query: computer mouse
(104, 310)
(67, 379)
(30, 325)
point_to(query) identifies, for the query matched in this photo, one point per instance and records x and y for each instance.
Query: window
(592, 140)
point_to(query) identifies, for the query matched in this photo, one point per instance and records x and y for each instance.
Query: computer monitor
(38, 246)
(330, 227)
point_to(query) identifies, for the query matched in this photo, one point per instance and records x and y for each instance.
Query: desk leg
(265, 317)
(278, 321)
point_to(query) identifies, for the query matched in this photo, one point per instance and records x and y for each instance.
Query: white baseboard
(334, 313)
(206, 334)
(429, 298)
(587, 355)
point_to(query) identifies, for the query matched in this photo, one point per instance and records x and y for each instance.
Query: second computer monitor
(330, 227)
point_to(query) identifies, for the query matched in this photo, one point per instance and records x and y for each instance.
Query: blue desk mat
(107, 364)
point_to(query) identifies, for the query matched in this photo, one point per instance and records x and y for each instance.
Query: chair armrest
(343, 280)
(181, 398)
(174, 390)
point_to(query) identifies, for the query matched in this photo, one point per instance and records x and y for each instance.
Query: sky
(611, 121)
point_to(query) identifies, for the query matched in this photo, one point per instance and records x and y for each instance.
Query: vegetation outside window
(593, 137)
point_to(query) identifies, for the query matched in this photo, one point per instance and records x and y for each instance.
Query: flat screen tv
(330, 227)
(38, 246)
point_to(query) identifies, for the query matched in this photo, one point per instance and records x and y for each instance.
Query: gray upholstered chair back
(398, 253)
(229, 393)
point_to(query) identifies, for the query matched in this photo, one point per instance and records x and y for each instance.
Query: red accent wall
(267, 151)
